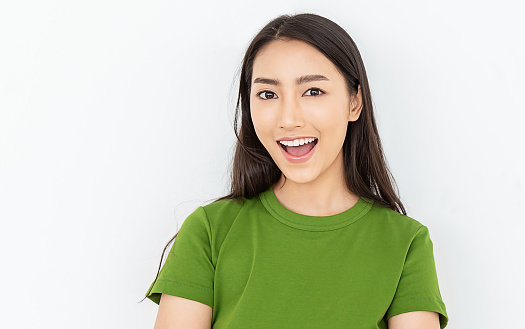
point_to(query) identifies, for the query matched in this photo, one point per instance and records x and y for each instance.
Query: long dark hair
(366, 172)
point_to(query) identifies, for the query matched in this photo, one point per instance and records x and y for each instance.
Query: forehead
(292, 58)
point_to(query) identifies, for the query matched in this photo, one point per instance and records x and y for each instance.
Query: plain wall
(116, 122)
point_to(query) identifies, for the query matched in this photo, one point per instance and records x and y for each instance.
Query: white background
(116, 122)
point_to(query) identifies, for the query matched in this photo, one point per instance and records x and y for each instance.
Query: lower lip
(298, 159)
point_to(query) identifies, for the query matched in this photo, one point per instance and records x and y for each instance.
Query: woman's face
(299, 98)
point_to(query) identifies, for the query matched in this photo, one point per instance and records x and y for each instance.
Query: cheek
(262, 121)
(261, 126)
(333, 126)
(257, 124)
(330, 121)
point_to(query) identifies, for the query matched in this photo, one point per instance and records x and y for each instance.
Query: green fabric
(260, 265)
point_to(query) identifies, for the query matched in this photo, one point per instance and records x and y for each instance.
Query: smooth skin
(284, 105)
(181, 313)
(177, 313)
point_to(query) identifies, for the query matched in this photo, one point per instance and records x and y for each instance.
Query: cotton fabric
(261, 265)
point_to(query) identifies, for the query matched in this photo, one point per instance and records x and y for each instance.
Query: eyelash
(268, 91)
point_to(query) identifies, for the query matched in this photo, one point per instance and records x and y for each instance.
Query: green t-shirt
(261, 265)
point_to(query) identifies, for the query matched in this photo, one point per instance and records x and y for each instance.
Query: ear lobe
(356, 105)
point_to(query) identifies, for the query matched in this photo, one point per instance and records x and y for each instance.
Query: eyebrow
(299, 81)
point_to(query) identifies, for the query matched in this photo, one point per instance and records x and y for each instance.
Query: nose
(291, 114)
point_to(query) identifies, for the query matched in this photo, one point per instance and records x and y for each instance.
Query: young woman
(312, 234)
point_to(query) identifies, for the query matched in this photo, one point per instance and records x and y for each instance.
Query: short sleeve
(188, 271)
(418, 288)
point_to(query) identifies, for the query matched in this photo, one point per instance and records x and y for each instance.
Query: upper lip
(295, 137)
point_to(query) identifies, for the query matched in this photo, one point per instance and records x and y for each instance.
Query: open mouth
(298, 150)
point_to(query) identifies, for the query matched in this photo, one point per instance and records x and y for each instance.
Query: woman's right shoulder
(220, 215)
(221, 211)
(229, 204)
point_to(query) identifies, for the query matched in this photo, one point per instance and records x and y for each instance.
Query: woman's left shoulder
(390, 220)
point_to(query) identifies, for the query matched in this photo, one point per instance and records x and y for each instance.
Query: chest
(283, 274)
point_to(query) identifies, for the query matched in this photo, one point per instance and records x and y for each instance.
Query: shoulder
(213, 217)
(218, 216)
(395, 234)
(222, 211)
(393, 223)
(225, 206)
(222, 214)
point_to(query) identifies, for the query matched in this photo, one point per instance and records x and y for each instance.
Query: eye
(268, 94)
(314, 92)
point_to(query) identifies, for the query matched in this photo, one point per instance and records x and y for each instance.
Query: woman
(312, 234)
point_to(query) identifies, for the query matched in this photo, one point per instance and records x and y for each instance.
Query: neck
(325, 196)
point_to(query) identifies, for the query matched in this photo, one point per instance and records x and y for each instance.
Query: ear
(356, 105)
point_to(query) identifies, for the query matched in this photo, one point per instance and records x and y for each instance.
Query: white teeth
(297, 142)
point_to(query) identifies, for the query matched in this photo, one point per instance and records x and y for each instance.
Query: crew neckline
(314, 223)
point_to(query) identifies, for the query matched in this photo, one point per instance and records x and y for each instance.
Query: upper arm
(417, 289)
(177, 312)
(189, 270)
(414, 320)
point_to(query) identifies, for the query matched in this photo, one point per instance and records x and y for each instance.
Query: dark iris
(269, 93)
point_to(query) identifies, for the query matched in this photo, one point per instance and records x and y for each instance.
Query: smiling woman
(293, 113)
(312, 234)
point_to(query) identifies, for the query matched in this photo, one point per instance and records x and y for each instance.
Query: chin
(298, 178)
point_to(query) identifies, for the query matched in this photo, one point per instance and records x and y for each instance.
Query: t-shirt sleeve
(188, 271)
(418, 288)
